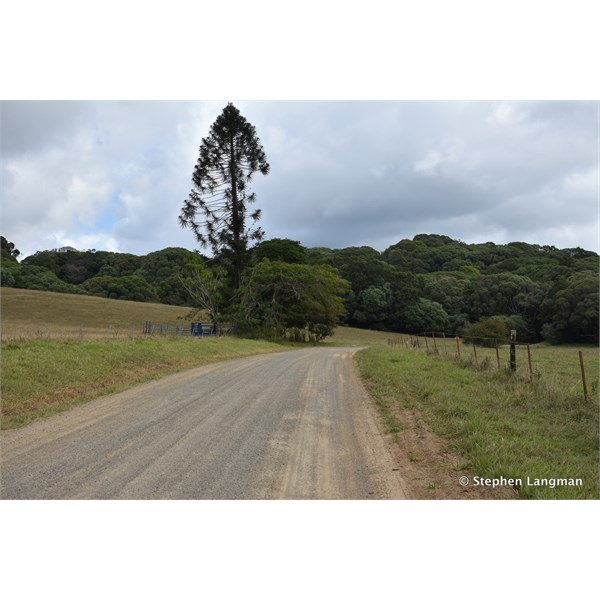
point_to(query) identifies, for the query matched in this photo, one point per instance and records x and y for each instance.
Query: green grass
(505, 426)
(43, 377)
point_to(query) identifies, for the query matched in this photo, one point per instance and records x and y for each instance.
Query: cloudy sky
(113, 175)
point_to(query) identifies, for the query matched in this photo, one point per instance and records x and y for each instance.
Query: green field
(505, 426)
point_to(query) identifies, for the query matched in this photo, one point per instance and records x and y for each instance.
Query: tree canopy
(541, 291)
(216, 208)
(289, 251)
(278, 296)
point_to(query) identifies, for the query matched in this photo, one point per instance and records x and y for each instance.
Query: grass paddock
(32, 314)
(505, 426)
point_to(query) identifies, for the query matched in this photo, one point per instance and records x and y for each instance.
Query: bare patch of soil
(430, 470)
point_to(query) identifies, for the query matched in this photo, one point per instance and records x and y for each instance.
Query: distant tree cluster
(435, 283)
(151, 278)
(483, 290)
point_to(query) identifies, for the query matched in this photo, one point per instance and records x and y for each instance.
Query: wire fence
(11, 331)
(194, 329)
(20, 331)
(520, 358)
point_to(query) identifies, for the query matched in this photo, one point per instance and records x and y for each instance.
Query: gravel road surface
(289, 425)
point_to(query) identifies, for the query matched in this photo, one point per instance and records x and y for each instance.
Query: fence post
(444, 343)
(585, 393)
(474, 351)
(513, 351)
(529, 362)
(457, 340)
(434, 343)
(497, 354)
(426, 344)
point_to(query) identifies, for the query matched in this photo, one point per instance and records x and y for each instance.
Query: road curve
(288, 425)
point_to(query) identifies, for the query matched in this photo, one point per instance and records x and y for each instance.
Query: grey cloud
(507, 171)
(342, 173)
(34, 125)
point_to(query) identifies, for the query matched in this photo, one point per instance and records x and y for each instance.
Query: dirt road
(289, 425)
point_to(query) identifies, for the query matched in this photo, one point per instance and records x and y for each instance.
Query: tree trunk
(235, 215)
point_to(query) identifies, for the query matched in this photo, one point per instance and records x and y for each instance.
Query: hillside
(32, 313)
(431, 282)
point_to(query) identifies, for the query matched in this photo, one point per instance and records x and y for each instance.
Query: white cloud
(582, 183)
(341, 173)
(429, 165)
(505, 114)
(98, 241)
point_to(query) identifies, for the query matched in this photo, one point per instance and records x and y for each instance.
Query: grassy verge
(503, 425)
(43, 377)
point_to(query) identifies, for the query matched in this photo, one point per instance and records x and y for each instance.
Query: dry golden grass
(31, 314)
(350, 336)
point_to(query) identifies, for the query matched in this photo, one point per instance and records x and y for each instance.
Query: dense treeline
(429, 283)
(151, 278)
(435, 283)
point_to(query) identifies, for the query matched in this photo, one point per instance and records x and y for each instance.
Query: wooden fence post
(513, 351)
(457, 340)
(529, 362)
(585, 393)
(474, 351)
(497, 354)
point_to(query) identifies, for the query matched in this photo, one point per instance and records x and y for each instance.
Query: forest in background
(429, 283)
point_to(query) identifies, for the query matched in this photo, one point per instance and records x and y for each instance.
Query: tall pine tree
(216, 207)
